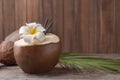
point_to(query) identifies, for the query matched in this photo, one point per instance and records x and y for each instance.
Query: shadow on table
(58, 71)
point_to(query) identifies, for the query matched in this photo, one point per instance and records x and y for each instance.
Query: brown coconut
(40, 57)
(14, 36)
(6, 53)
(6, 49)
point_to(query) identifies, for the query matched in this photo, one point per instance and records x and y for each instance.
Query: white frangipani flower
(32, 31)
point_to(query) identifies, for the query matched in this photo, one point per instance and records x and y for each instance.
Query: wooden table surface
(15, 73)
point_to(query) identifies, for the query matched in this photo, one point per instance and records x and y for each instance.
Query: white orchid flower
(31, 32)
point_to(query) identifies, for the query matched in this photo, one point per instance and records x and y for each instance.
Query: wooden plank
(76, 30)
(40, 12)
(94, 26)
(8, 16)
(47, 11)
(97, 24)
(107, 35)
(32, 11)
(20, 13)
(68, 24)
(1, 21)
(58, 19)
(117, 16)
(84, 26)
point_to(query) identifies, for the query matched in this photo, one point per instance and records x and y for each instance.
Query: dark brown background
(84, 25)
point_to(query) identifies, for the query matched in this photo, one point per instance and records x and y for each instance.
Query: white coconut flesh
(49, 38)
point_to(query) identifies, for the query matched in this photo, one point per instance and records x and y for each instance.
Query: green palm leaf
(88, 63)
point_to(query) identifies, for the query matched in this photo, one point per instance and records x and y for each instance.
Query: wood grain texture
(8, 16)
(117, 24)
(97, 27)
(68, 24)
(40, 11)
(32, 11)
(20, 13)
(88, 26)
(48, 11)
(92, 20)
(84, 25)
(1, 20)
(76, 30)
(58, 17)
(107, 34)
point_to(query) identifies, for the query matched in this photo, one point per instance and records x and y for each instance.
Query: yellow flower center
(32, 30)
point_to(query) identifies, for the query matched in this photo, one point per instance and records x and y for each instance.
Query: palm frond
(88, 63)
